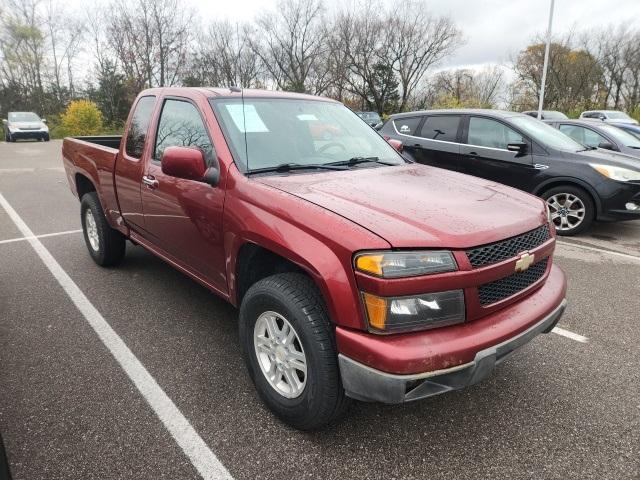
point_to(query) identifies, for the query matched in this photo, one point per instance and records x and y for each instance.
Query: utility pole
(546, 61)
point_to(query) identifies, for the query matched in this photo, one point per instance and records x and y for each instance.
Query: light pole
(546, 61)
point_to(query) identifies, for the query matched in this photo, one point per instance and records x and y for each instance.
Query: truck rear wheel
(106, 245)
(290, 352)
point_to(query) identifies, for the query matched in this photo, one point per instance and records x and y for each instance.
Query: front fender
(326, 261)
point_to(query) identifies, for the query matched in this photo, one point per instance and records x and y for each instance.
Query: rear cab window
(440, 127)
(139, 126)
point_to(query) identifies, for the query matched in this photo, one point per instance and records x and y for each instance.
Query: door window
(408, 125)
(583, 135)
(181, 125)
(138, 127)
(484, 132)
(440, 127)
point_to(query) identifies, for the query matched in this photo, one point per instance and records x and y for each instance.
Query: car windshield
(618, 115)
(546, 134)
(298, 132)
(23, 117)
(621, 136)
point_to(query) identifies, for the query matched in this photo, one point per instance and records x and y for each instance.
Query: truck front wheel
(289, 348)
(106, 245)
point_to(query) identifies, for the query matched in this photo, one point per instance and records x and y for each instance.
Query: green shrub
(82, 117)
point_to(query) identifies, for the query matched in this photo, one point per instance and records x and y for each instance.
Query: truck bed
(93, 159)
(111, 141)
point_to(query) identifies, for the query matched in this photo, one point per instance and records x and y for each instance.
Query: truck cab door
(130, 165)
(184, 217)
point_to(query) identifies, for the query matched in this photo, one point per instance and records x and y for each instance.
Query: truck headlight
(617, 173)
(405, 264)
(415, 312)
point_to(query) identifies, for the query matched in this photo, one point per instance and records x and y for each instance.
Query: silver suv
(25, 125)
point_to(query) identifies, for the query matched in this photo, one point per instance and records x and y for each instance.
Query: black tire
(46, 138)
(587, 201)
(111, 243)
(12, 138)
(296, 298)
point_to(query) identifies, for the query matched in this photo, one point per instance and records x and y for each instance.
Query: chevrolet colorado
(357, 273)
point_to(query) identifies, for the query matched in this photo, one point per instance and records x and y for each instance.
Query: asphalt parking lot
(566, 405)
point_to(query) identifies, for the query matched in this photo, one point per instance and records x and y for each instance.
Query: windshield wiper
(586, 148)
(288, 167)
(356, 160)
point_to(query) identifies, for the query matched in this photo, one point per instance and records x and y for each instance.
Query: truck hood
(419, 206)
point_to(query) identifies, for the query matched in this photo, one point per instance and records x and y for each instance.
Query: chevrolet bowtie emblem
(525, 261)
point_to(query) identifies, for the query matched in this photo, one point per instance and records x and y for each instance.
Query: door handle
(475, 154)
(150, 181)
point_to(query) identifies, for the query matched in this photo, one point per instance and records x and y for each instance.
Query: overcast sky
(494, 30)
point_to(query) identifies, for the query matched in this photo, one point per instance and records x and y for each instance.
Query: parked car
(609, 116)
(358, 274)
(19, 125)
(629, 128)
(547, 114)
(596, 134)
(372, 118)
(580, 184)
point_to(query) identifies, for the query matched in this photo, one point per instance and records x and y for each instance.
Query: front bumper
(368, 384)
(29, 134)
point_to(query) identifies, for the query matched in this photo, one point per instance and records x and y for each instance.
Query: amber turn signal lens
(370, 264)
(376, 310)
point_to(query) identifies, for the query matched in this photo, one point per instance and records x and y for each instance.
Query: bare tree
(223, 57)
(417, 42)
(291, 45)
(151, 39)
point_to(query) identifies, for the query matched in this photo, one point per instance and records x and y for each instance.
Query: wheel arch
(572, 182)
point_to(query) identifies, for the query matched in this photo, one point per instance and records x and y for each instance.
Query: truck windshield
(297, 132)
(23, 117)
(546, 134)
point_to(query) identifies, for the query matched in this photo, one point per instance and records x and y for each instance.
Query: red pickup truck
(357, 273)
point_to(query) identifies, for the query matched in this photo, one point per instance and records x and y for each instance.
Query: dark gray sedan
(596, 134)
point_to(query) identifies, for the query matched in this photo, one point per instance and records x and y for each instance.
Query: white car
(25, 125)
(609, 116)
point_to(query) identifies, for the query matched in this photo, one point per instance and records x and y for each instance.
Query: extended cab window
(582, 135)
(484, 132)
(440, 127)
(181, 126)
(408, 125)
(139, 126)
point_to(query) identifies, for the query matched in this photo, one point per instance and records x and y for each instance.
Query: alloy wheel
(280, 354)
(567, 211)
(92, 230)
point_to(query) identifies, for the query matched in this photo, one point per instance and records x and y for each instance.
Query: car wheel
(289, 348)
(572, 209)
(46, 138)
(106, 245)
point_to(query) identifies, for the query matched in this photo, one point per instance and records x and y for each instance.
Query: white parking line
(571, 335)
(44, 235)
(201, 456)
(601, 250)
